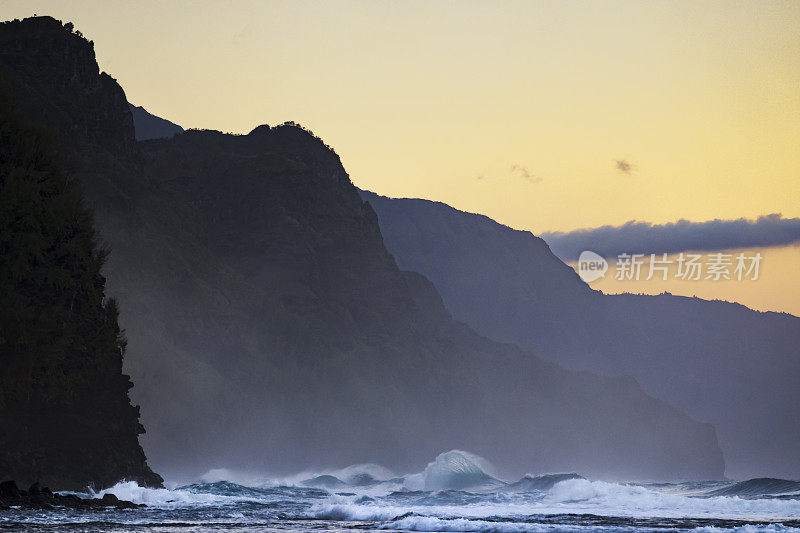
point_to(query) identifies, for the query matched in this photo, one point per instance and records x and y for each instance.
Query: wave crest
(458, 470)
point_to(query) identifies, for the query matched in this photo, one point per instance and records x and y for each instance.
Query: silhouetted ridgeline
(719, 362)
(321, 347)
(65, 416)
(270, 329)
(150, 126)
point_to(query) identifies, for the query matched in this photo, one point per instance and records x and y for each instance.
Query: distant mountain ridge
(719, 362)
(149, 126)
(269, 329)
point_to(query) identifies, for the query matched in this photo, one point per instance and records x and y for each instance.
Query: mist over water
(454, 492)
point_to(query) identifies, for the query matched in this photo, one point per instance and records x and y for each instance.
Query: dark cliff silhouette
(65, 415)
(269, 328)
(289, 328)
(719, 362)
(150, 126)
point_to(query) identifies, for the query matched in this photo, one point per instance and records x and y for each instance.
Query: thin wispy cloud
(680, 236)
(515, 171)
(524, 173)
(624, 166)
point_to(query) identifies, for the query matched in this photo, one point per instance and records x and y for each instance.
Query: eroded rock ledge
(37, 497)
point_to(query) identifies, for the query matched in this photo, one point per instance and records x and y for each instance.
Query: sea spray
(455, 492)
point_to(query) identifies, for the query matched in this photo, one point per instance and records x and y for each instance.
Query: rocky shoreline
(37, 497)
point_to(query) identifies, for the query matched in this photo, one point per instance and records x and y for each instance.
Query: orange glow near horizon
(776, 289)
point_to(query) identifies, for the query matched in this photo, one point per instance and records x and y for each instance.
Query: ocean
(456, 492)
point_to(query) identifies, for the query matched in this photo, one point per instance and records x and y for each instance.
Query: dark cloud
(623, 166)
(524, 173)
(647, 238)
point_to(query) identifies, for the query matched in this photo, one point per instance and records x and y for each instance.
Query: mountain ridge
(269, 328)
(147, 126)
(695, 354)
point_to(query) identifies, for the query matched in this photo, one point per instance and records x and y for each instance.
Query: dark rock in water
(9, 490)
(44, 498)
(545, 482)
(71, 500)
(110, 499)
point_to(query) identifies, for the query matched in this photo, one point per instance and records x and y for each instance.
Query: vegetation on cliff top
(65, 414)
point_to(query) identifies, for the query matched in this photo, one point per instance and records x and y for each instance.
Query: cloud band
(683, 235)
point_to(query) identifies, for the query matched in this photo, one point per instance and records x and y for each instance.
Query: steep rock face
(494, 278)
(65, 415)
(270, 330)
(42, 59)
(363, 356)
(719, 362)
(277, 203)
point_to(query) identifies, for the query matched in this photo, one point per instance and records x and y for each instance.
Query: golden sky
(776, 289)
(518, 110)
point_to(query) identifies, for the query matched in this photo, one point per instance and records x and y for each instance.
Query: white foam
(580, 495)
(163, 498)
(430, 523)
(434, 524)
(576, 496)
(249, 479)
(245, 479)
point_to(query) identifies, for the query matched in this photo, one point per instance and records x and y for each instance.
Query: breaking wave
(546, 482)
(761, 487)
(457, 470)
(457, 491)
